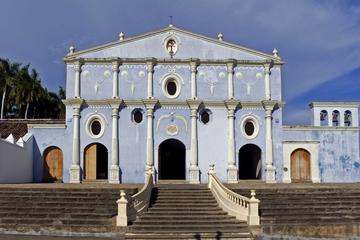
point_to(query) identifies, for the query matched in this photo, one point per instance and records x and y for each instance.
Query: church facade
(174, 102)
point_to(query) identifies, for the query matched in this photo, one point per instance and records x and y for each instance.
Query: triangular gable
(190, 45)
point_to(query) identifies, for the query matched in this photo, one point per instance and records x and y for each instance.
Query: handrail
(129, 208)
(243, 208)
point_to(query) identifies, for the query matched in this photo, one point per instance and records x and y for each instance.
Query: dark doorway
(172, 160)
(250, 162)
(96, 162)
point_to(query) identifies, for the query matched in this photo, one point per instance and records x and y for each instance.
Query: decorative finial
(275, 53)
(171, 21)
(121, 36)
(71, 50)
(220, 36)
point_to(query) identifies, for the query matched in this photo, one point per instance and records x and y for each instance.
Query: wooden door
(90, 162)
(53, 165)
(300, 166)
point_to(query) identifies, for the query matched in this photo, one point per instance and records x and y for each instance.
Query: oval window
(138, 116)
(205, 117)
(95, 127)
(249, 128)
(171, 88)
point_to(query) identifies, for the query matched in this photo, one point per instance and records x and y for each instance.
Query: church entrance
(95, 162)
(171, 160)
(300, 166)
(250, 162)
(53, 165)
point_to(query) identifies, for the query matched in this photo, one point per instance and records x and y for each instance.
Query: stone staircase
(184, 211)
(59, 210)
(309, 210)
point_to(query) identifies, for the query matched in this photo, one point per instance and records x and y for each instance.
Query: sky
(318, 40)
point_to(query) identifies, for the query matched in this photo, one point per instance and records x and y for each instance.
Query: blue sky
(318, 40)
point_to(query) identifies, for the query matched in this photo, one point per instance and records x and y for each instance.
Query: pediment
(188, 45)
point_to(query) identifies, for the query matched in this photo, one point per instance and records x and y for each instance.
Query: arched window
(137, 115)
(335, 118)
(205, 116)
(324, 121)
(347, 118)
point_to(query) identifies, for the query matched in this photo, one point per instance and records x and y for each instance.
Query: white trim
(90, 120)
(312, 147)
(255, 121)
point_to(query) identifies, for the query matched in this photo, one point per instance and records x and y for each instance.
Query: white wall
(16, 160)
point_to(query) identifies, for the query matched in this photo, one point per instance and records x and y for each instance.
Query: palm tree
(33, 89)
(8, 76)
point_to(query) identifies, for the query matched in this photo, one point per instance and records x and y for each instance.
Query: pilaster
(77, 86)
(267, 67)
(230, 69)
(270, 169)
(115, 69)
(75, 165)
(232, 171)
(150, 70)
(115, 173)
(150, 106)
(194, 161)
(194, 63)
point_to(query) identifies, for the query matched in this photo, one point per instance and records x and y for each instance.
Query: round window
(95, 127)
(171, 88)
(205, 117)
(249, 128)
(137, 116)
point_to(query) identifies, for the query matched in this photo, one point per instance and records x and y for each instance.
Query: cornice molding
(46, 125)
(334, 104)
(319, 128)
(187, 61)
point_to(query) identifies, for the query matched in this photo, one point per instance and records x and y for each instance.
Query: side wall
(16, 162)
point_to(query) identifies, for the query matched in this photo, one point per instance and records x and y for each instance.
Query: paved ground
(34, 237)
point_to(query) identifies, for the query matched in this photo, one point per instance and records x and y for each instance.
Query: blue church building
(174, 102)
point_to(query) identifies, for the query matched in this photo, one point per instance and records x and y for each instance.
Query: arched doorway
(300, 165)
(53, 165)
(95, 162)
(171, 160)
(250, 162)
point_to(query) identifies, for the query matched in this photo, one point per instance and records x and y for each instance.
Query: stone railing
(130, 207)
(243, 208)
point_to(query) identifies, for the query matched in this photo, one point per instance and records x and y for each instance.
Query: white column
(341, 118)
(115, 68)
(194, 162)
(267, 67)
(77, 79)
(232, 171)
(150, 105)
(150, 70)
(270, 169)
(75, 166)
(115, 169)
(193, 66)
(330, 117)
(230, 70)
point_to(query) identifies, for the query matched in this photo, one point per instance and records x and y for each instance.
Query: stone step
(188, 205)
(50, 214)
(185, 201)
(36, 228)
(156, 228)
(61, 209)
(322, 212)
(58, 199)
(194, 221)
(57, 221)
(185, 214)
(185, 235)
(53, 204)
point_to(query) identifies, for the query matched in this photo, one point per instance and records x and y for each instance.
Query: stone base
(194, 175)
(75, 174)
(232, 174)
(114, 174)
(270, 174)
